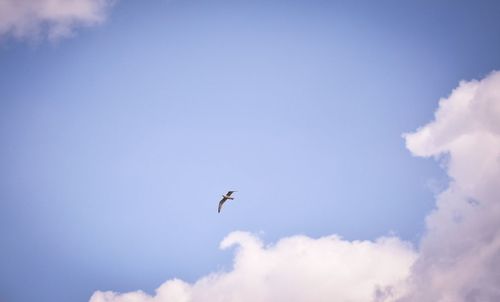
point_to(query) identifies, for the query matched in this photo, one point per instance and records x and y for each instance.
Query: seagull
(224, 198)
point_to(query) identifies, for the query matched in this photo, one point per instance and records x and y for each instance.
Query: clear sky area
(123, 122)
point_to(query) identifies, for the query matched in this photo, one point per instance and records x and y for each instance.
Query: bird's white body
(227, 197)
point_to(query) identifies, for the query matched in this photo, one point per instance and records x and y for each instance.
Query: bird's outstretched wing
(230, 192)
(221, 202)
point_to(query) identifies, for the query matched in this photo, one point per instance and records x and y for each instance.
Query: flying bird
(224, 198)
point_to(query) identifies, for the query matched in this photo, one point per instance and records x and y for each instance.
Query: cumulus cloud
(51, 18)
(459, 257)
(296, 268)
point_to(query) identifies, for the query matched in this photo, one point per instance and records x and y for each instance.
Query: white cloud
(297, 268)
(458, 258)
(460, 254)
(29, 19)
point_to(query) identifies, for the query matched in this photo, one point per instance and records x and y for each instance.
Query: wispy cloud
(460, 254)
(458, 258)
(52, 19)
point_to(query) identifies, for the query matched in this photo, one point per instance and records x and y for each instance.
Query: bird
(224, 198)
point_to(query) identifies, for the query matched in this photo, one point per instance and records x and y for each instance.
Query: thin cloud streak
(51, 19)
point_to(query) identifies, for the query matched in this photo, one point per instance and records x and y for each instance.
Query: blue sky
(117, 141)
